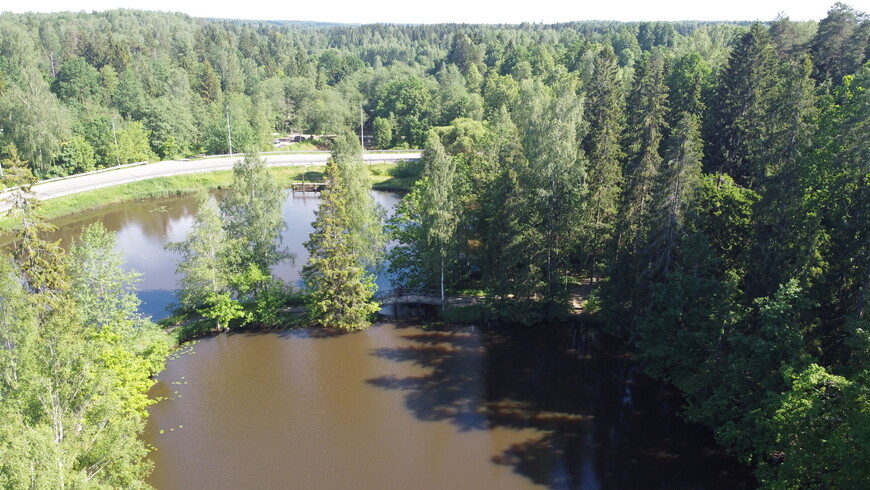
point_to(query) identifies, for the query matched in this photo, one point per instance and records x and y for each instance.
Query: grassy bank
(385, 176)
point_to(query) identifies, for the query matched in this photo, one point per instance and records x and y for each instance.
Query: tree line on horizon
(81, 91)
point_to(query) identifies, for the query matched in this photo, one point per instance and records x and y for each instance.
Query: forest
(709, 180)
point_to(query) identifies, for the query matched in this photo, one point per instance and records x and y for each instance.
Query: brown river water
(401, 405)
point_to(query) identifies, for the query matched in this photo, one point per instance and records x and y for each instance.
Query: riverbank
(385, 176)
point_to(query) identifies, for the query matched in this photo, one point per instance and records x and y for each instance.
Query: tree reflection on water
(601, 424)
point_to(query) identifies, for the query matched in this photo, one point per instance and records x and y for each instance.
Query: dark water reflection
(599, 423)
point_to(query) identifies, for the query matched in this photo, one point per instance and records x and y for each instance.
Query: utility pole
(361, 140)
(229, 135)
(2, 179)
(115, 136)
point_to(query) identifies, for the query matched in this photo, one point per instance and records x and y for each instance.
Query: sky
(460, 11)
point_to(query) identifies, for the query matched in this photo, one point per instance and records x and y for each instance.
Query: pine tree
(839, 46)
(340, 291)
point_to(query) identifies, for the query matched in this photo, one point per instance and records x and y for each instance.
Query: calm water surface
(144, 228)
(399, 405)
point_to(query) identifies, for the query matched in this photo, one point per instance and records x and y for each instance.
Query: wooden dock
(308, 186)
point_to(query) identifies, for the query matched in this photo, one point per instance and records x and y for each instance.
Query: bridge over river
(420, 296)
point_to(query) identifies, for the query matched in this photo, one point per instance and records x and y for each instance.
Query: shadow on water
(601, 423)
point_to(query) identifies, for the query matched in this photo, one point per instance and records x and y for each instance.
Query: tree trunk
(443, 299)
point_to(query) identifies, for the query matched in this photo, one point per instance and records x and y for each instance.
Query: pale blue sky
(470, 11)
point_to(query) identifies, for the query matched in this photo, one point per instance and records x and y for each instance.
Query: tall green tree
(367, 236)
(77, 80)
(839, 46)
(603, 146)
(677, 189)
(787, 235)
(440, 207)
(644, 134)
(77, 377)
(738, 136)
(510, 276)
(253, 216)
(34, 120)
(550, 123)
(340, 291)
(204, 257)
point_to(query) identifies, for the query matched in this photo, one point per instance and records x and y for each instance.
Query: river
(401, 405)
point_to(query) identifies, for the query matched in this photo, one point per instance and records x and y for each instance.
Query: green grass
(385, 176)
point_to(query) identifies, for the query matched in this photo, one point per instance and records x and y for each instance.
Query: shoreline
(176, 185)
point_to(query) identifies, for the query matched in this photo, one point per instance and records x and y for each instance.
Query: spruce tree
(739, 131)
(604, 150)
(340, 291)
(646, 122)
(679, 180)
(786, 234)
(366, 231)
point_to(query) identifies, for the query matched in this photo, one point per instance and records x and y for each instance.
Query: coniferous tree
(367, 236)
(603, 146)
(646, 123)
(786, 236)
(839, 46)
(340, 291)
(740, 127)
(679, 182)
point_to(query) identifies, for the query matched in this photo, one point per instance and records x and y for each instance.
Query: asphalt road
(50, 189)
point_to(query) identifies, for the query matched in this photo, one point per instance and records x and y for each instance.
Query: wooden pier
(308, 186)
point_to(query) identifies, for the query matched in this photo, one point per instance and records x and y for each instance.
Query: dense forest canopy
(83, 91)
(710, 180)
